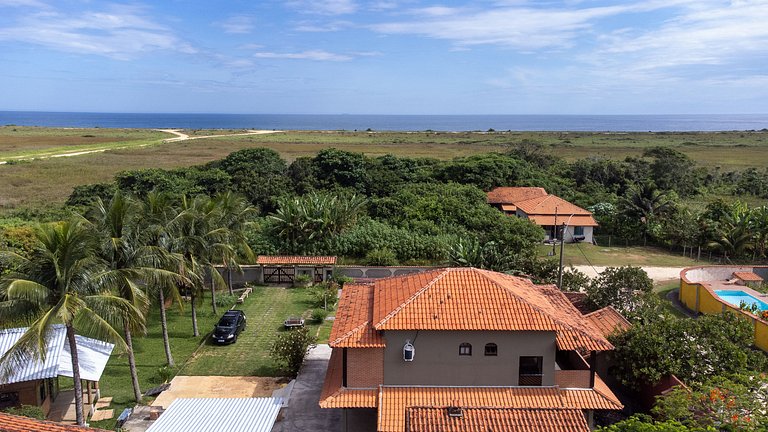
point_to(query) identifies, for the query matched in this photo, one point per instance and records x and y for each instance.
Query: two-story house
(463, 349)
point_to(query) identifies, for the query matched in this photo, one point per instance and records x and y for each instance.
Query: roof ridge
(547, 313)
(412, 298)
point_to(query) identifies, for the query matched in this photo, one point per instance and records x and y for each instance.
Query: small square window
(465, 349)
(491, 349)
(578, 231)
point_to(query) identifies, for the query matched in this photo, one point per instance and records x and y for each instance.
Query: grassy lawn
(585, 254)
(266, 308)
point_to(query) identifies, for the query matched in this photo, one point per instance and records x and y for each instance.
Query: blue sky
(385, 56)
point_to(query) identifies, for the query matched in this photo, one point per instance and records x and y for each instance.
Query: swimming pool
(736, 297)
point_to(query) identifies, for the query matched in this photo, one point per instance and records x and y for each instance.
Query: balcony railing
(530, 379)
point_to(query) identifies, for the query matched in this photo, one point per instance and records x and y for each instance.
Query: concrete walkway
(303, 412)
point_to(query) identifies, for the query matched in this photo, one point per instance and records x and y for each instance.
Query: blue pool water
(736, 297)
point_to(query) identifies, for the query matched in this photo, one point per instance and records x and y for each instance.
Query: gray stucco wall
(437, 360)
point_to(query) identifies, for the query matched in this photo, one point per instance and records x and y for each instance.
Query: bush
(380, 257)
(225, 300)
(32, 411)
(290, 348)
(319, 315)
(619, 287)
(165, 373)
(323, 296)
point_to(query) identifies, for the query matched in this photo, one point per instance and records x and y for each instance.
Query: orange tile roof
(13, 423)
(474, 299)
(748, 276)
(334, 395)
(430, 419)
(549, 205)
(352, 326)
(513, 194)
(551, 220)
(608, 320)
(295, 260)
(394, 401)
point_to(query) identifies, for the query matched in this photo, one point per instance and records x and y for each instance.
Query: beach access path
(180, 136)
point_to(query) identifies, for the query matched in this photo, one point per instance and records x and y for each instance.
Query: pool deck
(727, 286)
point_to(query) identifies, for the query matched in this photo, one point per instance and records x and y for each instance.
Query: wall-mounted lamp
(409, 352)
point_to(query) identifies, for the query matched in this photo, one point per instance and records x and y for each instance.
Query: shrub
(323, 295)
(290, 348)
(380, 257)
(165, 373)
(225, 300)
(32, 411)
(319, 315)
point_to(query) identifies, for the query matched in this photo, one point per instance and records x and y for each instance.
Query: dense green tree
(84, 195)
(692, 350)
(673, 170)
(620, 287)
(260, 174)
(641, 423)
(341, 169)
(63, 282)
(719, 404)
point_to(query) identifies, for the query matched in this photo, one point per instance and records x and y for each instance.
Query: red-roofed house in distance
(545, 210)
(464, 349)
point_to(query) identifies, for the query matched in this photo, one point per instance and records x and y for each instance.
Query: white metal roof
(219, 414)
(92, 356)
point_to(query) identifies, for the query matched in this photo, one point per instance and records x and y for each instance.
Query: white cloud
(237, 25)
(710, 34)
(324, 7)
(316, 55)
(333, 26)
(524, 27)
(120, 32)
(23, 3)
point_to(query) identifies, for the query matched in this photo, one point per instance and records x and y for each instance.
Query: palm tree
(63, 282)
(645, 202)
(735, 231)
(131, 263)
(196, 237)
(235, 215)
(158, 214)
(760, 220)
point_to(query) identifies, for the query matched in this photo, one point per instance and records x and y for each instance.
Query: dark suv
(230, 325)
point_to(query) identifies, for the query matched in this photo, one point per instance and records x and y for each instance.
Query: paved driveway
(303, 412)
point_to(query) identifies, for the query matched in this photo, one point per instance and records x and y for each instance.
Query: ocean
(596, 123)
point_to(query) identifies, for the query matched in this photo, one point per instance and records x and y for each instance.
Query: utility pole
(560, 268)
(554, 242)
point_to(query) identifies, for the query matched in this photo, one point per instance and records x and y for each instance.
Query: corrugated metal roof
(92, 356)
(219, 414)
(34, 369)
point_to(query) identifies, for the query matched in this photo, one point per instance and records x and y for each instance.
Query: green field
(46, 182)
